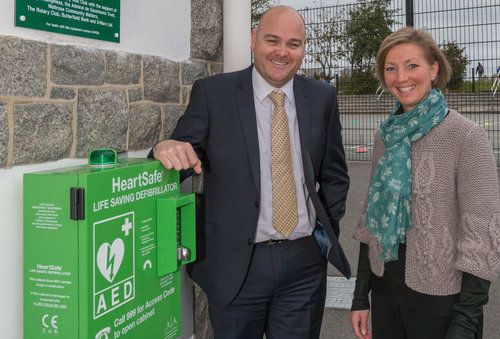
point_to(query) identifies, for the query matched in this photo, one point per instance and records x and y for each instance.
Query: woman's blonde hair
(432, 53)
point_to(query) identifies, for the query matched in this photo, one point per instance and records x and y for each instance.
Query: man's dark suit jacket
(221, 125)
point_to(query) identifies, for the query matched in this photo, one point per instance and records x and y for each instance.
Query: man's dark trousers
(283, 294)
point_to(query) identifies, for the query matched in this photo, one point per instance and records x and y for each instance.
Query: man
(479, 70)
(261, 276)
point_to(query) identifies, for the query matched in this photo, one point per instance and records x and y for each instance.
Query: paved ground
(335, 321)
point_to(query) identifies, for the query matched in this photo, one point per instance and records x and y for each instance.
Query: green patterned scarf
(388, 214)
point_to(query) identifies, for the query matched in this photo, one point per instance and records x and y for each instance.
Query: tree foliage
(368, 24)
(458, 61)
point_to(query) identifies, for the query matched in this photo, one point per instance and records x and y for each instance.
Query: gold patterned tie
(285, 217)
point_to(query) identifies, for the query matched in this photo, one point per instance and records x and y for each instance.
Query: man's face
(278, 46)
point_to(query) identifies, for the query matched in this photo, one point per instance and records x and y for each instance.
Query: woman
(430, 233)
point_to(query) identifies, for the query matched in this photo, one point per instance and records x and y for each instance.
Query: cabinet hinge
(77, 202)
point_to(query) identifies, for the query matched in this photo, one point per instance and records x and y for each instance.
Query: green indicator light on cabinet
(102, 158)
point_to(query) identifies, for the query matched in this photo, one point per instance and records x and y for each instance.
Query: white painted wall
(11, 239)
(237, 34)
(159, 28)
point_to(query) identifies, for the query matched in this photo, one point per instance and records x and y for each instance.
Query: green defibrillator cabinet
(103, 246)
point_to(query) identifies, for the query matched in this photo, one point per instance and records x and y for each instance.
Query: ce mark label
(50, 321)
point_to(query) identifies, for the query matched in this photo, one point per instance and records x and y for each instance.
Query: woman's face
(408, 75)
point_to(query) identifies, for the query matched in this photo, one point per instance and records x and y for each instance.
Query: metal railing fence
(341, 49)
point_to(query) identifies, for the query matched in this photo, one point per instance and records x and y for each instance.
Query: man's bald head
(278, 45)
(280, 9)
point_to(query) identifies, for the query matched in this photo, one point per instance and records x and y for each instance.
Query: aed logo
(113, 297)
(143, 179)
(114, 270)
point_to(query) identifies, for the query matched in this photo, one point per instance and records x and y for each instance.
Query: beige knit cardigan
(455, 209)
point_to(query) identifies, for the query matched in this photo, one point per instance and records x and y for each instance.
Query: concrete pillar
(237, 32)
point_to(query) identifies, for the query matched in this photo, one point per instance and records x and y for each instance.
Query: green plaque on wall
(95, 19)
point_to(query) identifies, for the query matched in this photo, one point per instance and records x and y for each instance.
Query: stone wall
(61, 101)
